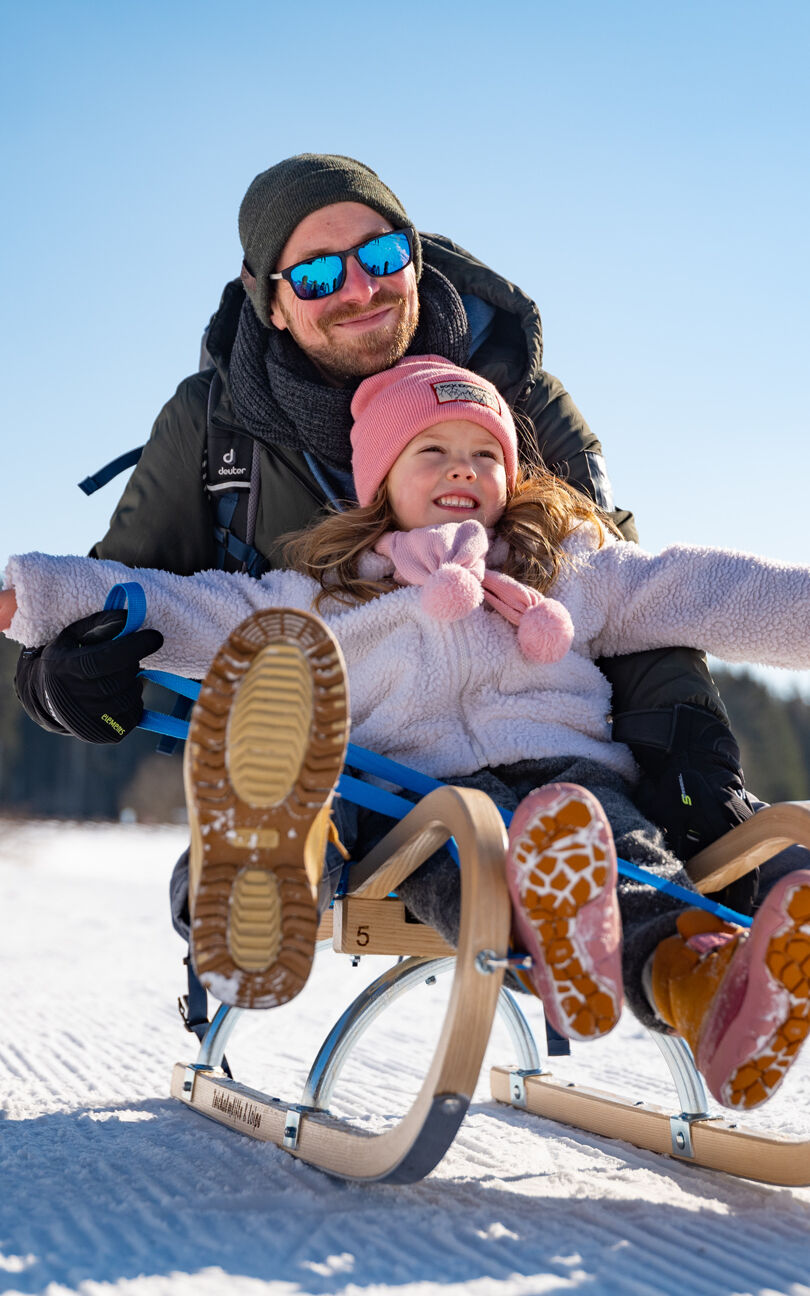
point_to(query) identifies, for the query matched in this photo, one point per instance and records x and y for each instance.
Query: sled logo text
(231, 1105)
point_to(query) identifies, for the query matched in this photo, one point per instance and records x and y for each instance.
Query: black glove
(85, 683)
(692, 784)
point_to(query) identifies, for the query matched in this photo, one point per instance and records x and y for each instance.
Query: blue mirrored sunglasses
(385, 254)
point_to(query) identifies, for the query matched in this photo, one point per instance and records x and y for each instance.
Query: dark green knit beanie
(281, 197)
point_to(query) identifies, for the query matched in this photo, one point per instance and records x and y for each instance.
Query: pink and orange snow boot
(561, 874)
(741, 1000)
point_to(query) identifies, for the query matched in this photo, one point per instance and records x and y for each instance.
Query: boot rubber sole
(761, 1012)
(266, 745)
(561, 872)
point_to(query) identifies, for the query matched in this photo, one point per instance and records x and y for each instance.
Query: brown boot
(266, 745)
(688, 968)
(741, 1000)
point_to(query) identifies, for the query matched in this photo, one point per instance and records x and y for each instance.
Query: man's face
(369, 324)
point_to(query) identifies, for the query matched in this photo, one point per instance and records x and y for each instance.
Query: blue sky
(641, 170)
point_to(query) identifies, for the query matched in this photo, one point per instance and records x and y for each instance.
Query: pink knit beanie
(392, 407)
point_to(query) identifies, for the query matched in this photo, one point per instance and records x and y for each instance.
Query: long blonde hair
(540, 512)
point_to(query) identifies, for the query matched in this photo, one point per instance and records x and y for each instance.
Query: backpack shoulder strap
(231, 473)
(103, 475)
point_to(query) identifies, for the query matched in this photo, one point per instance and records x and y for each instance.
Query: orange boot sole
(561, 872)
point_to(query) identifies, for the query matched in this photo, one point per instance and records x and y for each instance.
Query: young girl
(471, 600)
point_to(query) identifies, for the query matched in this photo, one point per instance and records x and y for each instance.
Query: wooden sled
(365, 921)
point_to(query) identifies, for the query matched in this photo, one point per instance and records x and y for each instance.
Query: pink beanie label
(465, 391)
(391, 408)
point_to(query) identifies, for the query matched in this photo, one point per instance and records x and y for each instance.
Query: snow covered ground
(106, 1184)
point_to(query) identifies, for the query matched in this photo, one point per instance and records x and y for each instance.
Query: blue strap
(181, 710)
(388, 803)
(226, 507)
(100, 478)
(194, 1009)
(692, 898)
(186, 687)
(371, 797)
(223, 517)
(174, 727)
(402, 775)
(254, 563)
(169, 725)
(129, 597)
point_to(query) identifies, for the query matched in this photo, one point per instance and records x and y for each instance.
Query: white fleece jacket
(451, 698)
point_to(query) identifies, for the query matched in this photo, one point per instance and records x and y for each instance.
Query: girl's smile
(451, 470)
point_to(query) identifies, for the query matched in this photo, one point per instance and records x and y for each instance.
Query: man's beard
(366, 353)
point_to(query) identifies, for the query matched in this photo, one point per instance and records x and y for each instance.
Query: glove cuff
(31, 693)
(680, 729)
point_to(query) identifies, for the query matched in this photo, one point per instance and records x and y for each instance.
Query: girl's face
(449, 472)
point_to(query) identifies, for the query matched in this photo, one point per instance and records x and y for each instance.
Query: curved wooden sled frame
(691, 1134)
(415, 1145)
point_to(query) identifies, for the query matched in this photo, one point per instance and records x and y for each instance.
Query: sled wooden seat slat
(717, 1144)
(355, 925)
(362, 926)
(750, 844)
(412, 1147)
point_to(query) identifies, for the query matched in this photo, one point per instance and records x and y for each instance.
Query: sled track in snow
(114, 1184)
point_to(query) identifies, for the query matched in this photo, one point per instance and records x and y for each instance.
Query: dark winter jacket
(164, 517)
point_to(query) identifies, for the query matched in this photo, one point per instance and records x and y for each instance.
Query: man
(336, 285)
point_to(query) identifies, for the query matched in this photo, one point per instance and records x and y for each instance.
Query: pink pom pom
(546, 631)
(451, 593)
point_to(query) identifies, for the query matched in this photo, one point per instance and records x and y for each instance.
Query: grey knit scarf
(279, 396)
